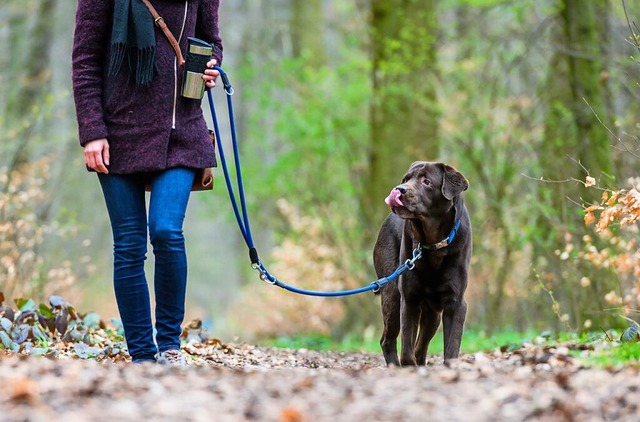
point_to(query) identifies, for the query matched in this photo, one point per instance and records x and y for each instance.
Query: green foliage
(308, 130)
(492, 126)
(476, 3)
(609, 353)
(309, 137)
(312, 125)
(474, 340)
(625, 354)
(604, 349)
(591, 349)
(57, 329)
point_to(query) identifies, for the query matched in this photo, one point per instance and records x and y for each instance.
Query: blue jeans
(125, 199)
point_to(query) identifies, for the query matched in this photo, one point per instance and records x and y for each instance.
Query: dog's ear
(453, 182)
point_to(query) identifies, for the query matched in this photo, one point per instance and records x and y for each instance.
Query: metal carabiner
(410, 264)
(263, 273)
(417, 254)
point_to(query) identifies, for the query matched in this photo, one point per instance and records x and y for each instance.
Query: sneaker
(172, 358)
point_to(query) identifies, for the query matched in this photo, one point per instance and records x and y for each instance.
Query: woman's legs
(124, 196)
(167, 207)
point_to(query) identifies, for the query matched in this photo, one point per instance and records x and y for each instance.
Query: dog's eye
(426, 182)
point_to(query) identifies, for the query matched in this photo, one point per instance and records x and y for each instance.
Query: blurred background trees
(334, 99)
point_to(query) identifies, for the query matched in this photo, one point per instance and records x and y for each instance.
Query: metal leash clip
(417, 254)
(264, 276)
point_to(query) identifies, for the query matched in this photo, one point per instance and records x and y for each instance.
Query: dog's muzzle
(393, 200)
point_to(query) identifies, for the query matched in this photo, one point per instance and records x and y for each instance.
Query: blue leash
(243, 219)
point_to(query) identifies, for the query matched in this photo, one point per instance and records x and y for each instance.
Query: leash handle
(225, 80)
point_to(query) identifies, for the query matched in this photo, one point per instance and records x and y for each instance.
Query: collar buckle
(446, 242)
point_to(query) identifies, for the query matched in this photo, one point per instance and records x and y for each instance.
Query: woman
(136, 128)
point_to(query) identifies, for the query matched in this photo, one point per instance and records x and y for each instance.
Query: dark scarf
(133, 37)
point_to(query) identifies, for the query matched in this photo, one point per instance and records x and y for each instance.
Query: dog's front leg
(409, 319)
(429, 324)
(391, 318)
(453, 324)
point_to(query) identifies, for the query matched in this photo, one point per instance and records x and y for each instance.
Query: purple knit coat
(149, 128)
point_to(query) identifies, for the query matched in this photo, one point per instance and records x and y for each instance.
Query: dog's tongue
(393, 200)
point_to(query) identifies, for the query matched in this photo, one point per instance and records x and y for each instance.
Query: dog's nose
(401, 188)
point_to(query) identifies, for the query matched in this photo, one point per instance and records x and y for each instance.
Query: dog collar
(446, 242)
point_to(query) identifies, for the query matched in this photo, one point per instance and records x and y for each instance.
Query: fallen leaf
(289, 414)
(24, 390)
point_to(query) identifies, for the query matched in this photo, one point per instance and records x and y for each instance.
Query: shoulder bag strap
(159, 21)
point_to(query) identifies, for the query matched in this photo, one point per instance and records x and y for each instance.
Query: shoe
(172, 358)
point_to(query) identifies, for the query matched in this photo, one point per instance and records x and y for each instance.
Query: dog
(428, 213)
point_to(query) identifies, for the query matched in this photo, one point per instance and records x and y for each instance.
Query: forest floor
(244, 382)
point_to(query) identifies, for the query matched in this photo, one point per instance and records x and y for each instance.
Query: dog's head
(427, 189)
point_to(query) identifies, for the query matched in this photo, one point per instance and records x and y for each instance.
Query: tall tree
(575, 143)
(404, 120)
(28, 68)
(306, 30)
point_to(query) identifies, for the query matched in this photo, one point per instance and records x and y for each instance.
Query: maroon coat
(148, 128)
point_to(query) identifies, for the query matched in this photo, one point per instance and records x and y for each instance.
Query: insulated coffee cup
(198, 54)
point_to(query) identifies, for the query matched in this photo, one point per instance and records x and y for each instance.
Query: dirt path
(244, 383)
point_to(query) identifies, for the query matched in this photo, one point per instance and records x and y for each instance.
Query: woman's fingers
(96, 155)
(210, 74)
(105, 154)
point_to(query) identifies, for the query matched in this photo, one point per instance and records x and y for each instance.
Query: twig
(555, 304)
(627, 149)
(609, 130)
(606, 334)
(542, 179)
(628, 319)
(600, 120)
(633, 34)
(567, 180)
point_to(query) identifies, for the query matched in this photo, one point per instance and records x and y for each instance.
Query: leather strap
(159, 21)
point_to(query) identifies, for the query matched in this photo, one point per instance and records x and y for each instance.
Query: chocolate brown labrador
(428, 212)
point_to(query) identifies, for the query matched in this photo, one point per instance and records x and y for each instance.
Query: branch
(633, 33)
(609, 130)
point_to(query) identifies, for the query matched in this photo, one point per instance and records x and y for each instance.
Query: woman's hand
(210, 75)
(96, 155)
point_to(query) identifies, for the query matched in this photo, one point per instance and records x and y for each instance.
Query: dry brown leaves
(622, 206)
(227, 382)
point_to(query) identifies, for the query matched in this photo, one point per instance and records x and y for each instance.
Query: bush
(615, 221)
(24, 228)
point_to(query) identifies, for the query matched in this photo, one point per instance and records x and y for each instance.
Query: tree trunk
(30, 68)
(306, 31)
(574, 141)
(404, 120)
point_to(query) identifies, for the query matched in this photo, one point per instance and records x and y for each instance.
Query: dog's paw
(452, 363)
